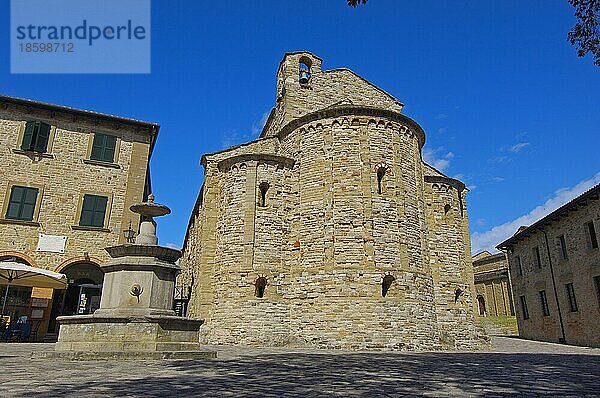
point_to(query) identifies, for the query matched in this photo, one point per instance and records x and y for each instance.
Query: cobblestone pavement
(512, 367)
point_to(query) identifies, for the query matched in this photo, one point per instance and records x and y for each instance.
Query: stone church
(330, 230)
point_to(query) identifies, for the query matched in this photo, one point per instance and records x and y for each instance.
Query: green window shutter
(29, 199)
(14, 204)
(26, 145)
(109, 148)
(103, 148)
(97, 147)
(93, 211)
(87, 210)
(21, 205)
(43, 134)
(99, 211)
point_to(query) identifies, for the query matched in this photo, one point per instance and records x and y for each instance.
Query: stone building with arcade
(330, 230)
(67, 179)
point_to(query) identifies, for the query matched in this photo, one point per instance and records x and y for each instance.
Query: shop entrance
(81, 297)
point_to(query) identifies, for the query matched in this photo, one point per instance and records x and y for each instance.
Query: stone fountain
(136, 318)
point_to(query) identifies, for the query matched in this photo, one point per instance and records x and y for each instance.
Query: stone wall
(580, 268)
(330, 232)
(63, 177)
(492, 285)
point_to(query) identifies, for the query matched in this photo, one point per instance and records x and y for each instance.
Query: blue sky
(507, 105)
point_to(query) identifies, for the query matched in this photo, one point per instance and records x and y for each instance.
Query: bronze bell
(304, 76)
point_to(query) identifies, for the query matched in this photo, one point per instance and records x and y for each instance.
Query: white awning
(17, 274)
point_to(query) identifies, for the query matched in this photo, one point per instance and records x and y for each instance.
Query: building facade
(555, 273)
(492, 285)
(67, 180)
(329, 230)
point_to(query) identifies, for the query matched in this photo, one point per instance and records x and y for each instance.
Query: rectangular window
(36, 136)
(563, 247)
(103, 148)
(538, 258)
(21, 204)
(597, 283)
(519, 266)
(544, 302)
(93, 211)
(524, 307)
(592, 234)
(571, 296)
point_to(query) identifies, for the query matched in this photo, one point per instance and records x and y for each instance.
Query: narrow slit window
(447, 209)
(260, 286)
(386, 283)
(544, 303)
(519, 266)
(538, 257)
(380, 174)
(592, 234)
(571, 296)
(524, 307)
(563, 247)
(263, 188)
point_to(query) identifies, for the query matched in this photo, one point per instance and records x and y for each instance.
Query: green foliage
(354, 3)
(586, 33)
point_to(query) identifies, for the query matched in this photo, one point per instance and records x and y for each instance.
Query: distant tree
(354, 3)
(586, 33)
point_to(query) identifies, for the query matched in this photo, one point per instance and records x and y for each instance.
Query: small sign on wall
(51, 243)
(39, 302)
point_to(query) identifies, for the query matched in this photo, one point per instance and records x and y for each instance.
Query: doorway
(81, 297)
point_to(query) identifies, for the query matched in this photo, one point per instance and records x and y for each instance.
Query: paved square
(513, 367)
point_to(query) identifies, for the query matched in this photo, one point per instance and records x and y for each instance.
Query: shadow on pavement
(355, 374)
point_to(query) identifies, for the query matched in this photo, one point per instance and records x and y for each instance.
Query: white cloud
(173, 246)
(489, 239)
(440, 116)
(233, 137)
(258, 126)
(517, 147)
(437, 158)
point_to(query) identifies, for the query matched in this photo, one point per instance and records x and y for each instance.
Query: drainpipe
(560, 318)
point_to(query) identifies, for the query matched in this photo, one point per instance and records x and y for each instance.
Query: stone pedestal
(136, 318)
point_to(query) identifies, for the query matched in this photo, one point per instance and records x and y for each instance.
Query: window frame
(524, 309)
(562, 243)
(36, 209)
(571, 297)
(537, 256)
(90, 149)
(107, 211)
(544, 303)
(21, 137)
(596, 281)
(519, 265)
(592, 234)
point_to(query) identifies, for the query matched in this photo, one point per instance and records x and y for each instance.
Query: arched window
(380, 174)
(259, 286)
(386, 283)
(262, 200)
(304, 70)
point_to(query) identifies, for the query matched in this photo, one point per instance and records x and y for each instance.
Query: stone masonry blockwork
(349, 205)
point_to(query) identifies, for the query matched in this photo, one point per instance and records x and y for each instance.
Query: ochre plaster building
(492, 285)
(67, 180)
(329, 230)
(555, 273)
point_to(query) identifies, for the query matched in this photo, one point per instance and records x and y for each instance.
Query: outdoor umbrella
(17, 274)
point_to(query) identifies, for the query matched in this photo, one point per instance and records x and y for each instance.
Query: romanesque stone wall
(346, 208)
(451, 261)
(325, 88)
